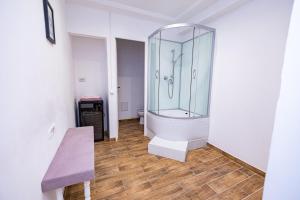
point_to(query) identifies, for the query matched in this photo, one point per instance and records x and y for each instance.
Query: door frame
(113, 76)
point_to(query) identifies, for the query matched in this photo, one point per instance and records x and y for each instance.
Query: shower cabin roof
(180, 33)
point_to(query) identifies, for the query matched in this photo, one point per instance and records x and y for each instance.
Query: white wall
(95, 22)
(90, 62)
(87, 21)
(36, 92)
(247, 66)
(283, 175)
(130, 61)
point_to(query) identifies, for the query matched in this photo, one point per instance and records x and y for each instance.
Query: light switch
(81, 79)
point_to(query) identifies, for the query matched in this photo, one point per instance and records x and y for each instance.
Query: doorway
(130, 68)
(89, 55)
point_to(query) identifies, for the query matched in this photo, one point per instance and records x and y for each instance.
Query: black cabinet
(91, 114)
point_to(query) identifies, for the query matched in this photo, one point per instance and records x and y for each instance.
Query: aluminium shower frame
(198, 26)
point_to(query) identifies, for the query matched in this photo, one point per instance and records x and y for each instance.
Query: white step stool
(170, 149)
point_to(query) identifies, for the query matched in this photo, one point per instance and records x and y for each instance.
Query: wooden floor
(125, 170)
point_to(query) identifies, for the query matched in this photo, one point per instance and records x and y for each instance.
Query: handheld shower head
(173, 56)
(179, 56)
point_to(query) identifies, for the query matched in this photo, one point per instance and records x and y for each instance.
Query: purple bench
(73, 162)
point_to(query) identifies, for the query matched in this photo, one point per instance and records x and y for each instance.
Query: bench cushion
(74, 160)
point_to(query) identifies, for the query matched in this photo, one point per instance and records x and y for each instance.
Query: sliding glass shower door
(201, 75)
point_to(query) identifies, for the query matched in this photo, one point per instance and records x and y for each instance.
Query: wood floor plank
(199, 193)
(256, 195)
(209, 175)
(242, 189)
(126, 171)
(247, 171)
(225, 182)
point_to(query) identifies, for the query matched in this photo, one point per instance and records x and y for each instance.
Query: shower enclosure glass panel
(180, 60)
(201, 72)
(186, 77)
(153, 80)
(169, 75)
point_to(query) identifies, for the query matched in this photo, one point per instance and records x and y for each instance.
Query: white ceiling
(167, 10)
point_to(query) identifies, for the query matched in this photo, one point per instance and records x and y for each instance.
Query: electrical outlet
(51, 129)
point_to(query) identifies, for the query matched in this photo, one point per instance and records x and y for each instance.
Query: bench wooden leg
(59, 194)
(87, 190)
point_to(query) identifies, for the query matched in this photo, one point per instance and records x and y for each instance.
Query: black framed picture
(49, 21)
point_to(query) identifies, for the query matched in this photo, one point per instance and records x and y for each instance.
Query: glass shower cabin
(179, 80)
